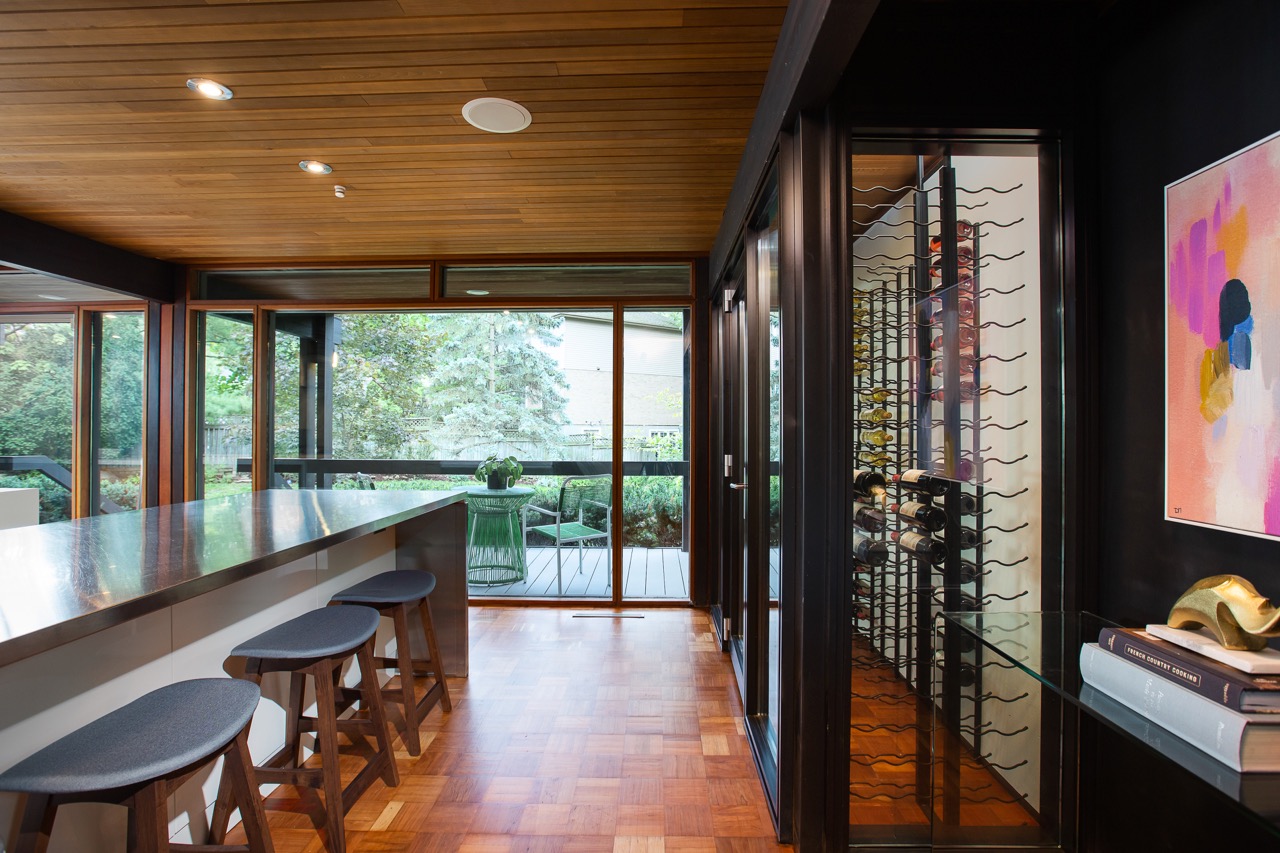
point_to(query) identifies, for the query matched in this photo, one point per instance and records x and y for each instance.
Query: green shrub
(123, 493)
(653, 512)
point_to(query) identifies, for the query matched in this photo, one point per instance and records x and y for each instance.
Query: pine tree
(494, 382)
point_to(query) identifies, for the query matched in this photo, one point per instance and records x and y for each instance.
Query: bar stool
(316, 644)
(138, 755)
(392, 594)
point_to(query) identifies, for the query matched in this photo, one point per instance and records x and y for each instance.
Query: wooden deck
(648, 573)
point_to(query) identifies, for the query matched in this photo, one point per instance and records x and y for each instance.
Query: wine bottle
(928, 516)
(969, 572)
(862, 588)
(878, 437)
(968, 505)
(964, 231)
(922, 546)
(918, 480)
(862, 612)
(968, 336)
(965, 307)
(967, 365)
(875, 416)
(966, 673)
(968, 391)
(871, 552)
(869, 519)
(869, 485)
(875, 458)
(877, 395)
(969, 537)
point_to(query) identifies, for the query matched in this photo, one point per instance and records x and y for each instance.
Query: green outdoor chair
(579, 496)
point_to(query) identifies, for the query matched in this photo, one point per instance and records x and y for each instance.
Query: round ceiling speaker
(496, 115)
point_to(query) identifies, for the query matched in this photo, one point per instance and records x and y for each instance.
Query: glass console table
(1008, 698)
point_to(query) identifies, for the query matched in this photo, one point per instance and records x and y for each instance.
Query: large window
(224, 421)
(37, 405)
(119, 368)
(655, 490)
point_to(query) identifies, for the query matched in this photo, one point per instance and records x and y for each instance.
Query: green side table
(495, 552)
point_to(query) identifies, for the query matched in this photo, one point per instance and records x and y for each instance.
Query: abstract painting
(1222, 343)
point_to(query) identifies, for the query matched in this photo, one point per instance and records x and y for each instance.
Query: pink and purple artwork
(1222, 343)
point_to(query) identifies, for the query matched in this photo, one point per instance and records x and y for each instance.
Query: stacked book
(1221, 708)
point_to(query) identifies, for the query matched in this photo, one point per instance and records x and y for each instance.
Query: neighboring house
(654, 388)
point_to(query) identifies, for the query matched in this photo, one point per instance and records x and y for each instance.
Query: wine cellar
(946, 326)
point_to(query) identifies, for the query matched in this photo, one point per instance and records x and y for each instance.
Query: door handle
(738, 486)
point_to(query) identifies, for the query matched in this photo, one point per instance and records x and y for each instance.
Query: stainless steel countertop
(69, 579)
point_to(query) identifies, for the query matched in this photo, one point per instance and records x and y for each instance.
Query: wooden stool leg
(293, 716)
(327, 742)
(404, 660)
(151, 815)
(437, 662)
(237, 766)
(371, 697)
(220, 822)
(36, 825)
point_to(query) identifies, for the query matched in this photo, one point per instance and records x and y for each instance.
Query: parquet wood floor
(887, 721)
(573, 734)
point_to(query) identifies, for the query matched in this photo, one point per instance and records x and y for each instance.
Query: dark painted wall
(1182, 84)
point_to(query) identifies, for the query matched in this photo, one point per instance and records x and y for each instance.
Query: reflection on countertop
(69, 579)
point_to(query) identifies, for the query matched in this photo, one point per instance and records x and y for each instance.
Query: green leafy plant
(509, 469)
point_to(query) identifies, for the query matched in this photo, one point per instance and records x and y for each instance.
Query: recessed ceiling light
(477, 293)
(315, 167)
(54, 298)
(210, 88)
(496, 115)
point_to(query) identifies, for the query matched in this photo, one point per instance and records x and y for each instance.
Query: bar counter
(63, 581)
(98, 611)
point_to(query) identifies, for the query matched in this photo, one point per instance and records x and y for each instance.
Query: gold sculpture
(1230, 607)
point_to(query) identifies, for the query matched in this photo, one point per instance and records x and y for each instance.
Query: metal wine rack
(926, 378)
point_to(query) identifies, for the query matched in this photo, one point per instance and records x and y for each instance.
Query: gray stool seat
(320, 633)
(155, 735)
(389, 588)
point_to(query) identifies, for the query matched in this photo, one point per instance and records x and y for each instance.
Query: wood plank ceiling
(640, 113)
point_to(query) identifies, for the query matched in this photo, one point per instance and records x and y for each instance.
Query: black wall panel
(1182, 84)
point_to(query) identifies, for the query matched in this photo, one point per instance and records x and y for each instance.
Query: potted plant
(499, 473)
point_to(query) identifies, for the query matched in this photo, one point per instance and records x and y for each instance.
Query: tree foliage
(482, 377)
(378, 382)
(36, 390)
(493, 379)
(124, 358)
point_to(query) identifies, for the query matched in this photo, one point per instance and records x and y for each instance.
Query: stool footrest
(394, 663)
(299, 777)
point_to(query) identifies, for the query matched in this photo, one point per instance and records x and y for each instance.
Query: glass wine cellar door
(954, 310)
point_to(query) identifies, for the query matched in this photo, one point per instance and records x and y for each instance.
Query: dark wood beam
(817, 40)
(42, 248)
